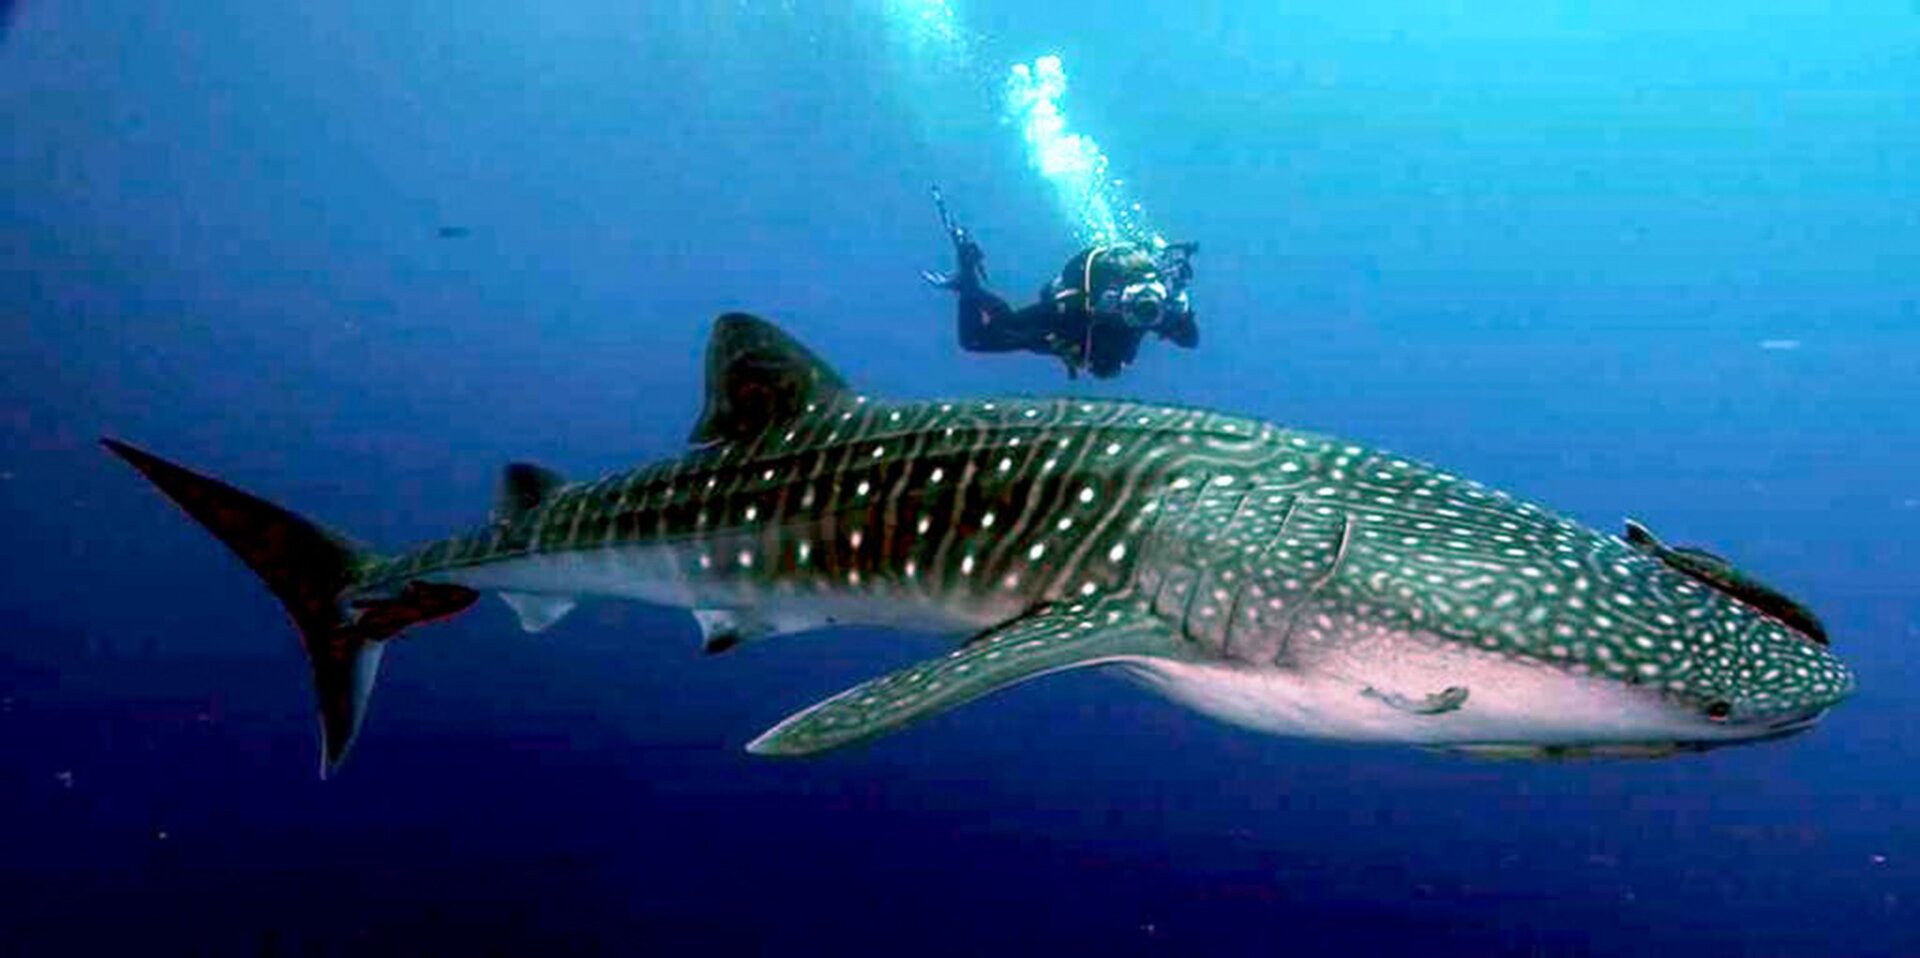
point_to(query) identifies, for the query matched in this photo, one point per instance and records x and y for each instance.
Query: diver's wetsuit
(1053, 327)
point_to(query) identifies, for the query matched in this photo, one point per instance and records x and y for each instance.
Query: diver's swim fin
(973, 263)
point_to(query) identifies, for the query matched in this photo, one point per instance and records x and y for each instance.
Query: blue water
(1540, 245)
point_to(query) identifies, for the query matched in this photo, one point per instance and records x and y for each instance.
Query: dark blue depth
(356, 256)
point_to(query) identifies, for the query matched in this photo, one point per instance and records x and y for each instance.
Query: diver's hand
(1067, 350)
(970, 273)
(1180, 330)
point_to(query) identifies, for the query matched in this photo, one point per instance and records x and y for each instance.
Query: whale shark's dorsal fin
(523, 487)
(1053, 638)
(758, 377)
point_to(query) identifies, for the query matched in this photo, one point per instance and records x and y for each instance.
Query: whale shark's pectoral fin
(1438, 703)
(1056, 637)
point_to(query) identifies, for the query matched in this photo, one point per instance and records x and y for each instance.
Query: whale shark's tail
(311, 571)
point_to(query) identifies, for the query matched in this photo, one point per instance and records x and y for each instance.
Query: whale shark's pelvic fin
(759, 377)
(722, 629)
(538, 613)
(1054, 638)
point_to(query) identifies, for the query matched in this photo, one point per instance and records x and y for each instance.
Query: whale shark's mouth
(1576, 753)
(1601, 751)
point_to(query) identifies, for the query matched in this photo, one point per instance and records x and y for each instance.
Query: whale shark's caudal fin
(759, 377)
(308, 569)
(1054, 638)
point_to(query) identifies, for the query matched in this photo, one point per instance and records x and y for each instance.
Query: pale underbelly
(673, 576)
(1369, 688)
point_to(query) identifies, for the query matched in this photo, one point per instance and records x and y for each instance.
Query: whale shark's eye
(1719, 711)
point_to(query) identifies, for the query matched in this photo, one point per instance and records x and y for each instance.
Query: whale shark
(1280, 580)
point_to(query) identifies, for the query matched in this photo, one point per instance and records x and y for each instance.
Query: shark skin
(1279, 580)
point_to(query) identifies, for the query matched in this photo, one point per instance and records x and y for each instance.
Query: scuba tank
(1124, 283)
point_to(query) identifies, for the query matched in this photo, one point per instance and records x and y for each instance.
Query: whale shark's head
(1768, 684)
(1497, 626)
(1617, 654)
(1680, 659)
(1735, 661)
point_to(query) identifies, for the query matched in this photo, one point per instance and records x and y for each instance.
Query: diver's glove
(1178, 324)
(1180, 329)
(1071, 353)
(971, 271)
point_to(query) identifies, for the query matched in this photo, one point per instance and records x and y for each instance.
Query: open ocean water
(1658, 260)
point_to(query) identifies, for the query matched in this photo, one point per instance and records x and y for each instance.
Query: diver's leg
(983, 317)
(986, 323)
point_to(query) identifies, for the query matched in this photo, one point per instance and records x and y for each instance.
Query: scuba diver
(1092, 316)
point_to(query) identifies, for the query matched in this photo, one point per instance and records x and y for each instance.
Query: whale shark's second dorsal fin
(523, 488)
(758, 377)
